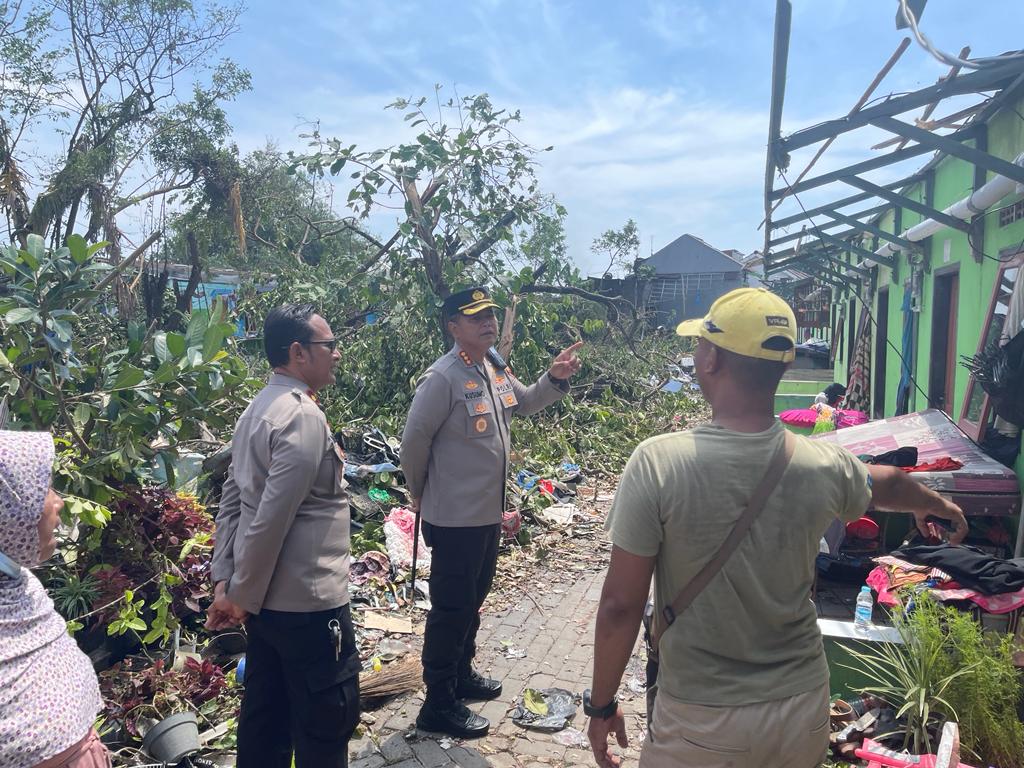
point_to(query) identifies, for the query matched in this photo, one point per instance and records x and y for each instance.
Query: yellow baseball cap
(748, 321)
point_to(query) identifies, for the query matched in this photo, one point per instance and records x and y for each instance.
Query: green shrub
(986, 700)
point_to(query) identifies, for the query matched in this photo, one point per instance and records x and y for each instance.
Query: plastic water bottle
(862, 614)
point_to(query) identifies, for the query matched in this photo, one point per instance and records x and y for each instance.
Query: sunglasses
(331, 344)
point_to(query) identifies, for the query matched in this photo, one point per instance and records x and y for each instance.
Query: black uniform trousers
(462, 566)
(298, 696)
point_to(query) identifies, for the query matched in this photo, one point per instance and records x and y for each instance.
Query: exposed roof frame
(837, 220)
(993, 78)
(1005, 79)
(822, 258)
(846, 201)
(907, 202)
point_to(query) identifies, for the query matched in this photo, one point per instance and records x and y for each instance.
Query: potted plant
(913, 676)
(163, 706)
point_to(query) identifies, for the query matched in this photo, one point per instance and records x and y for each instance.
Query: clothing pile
(906, 459)
(951, 573)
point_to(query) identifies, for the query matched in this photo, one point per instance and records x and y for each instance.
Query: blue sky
(657, 110)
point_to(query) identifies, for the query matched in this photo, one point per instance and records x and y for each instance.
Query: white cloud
(679, 23)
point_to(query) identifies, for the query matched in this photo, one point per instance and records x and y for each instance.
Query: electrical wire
(948, 58)
(867, 309)
(904, 365)
(1014, 252)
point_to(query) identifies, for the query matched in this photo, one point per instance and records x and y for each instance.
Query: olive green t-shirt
(751, 635)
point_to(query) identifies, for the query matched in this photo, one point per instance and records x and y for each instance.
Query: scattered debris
(401, 677)
(545, 709)
(398, 527)
(401, 625)
(570, 737)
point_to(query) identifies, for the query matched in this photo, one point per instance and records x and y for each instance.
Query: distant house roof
(754, 266)
(687, 255)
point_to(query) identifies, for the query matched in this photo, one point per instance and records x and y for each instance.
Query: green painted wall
(947, 251)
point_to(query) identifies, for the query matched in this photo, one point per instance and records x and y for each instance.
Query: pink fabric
(1004, 603)
(805, 417)
(49, 696)
(878, 580)
(404, 519)
(88, 753)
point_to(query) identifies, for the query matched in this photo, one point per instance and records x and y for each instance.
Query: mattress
(982, 486)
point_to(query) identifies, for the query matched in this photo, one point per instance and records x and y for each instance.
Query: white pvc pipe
(975, 203)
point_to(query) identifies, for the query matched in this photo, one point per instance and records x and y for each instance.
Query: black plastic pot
(172, 740)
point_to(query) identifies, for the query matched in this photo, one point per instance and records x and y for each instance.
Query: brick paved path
(554, 624)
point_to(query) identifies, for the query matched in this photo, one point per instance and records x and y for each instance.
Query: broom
(399, 677)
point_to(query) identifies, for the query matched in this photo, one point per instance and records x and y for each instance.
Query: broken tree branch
(112, 275)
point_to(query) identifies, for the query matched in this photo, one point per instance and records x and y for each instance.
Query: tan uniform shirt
(283, 528)
(455, 447)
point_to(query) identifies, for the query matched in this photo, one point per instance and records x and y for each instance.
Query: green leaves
(196, 332)
(127, 377)
(22, 315)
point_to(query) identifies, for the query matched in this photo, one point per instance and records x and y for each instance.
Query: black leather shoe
(476, 686)
(453, 718)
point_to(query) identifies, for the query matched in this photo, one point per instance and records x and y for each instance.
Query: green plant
(915, 675)
(158, 691)
(987, 699)
(73, 595)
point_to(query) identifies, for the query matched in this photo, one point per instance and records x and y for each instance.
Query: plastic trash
(379, 495)
(557, 515)
(526, 479)
(570, 737)
(862, 614)
(398, 527)
(545, 709)
(391, 649)
(362, 470)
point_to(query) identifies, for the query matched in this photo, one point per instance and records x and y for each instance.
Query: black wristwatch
(604, 712)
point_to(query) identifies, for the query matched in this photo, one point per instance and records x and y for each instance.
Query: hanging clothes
(907, 353)
(858, 387)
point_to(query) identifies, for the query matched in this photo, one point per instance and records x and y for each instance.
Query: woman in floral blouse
(49, 697)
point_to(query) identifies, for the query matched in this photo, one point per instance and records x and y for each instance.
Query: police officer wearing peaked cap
(455, 456)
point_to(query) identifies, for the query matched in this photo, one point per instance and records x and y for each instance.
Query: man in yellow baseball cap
(751, 322)
(742, 678)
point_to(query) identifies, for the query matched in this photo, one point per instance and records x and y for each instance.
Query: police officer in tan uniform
(455, 457)
(281, 558)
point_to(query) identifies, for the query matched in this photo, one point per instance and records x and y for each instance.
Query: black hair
(833, 392)
(284, 325)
